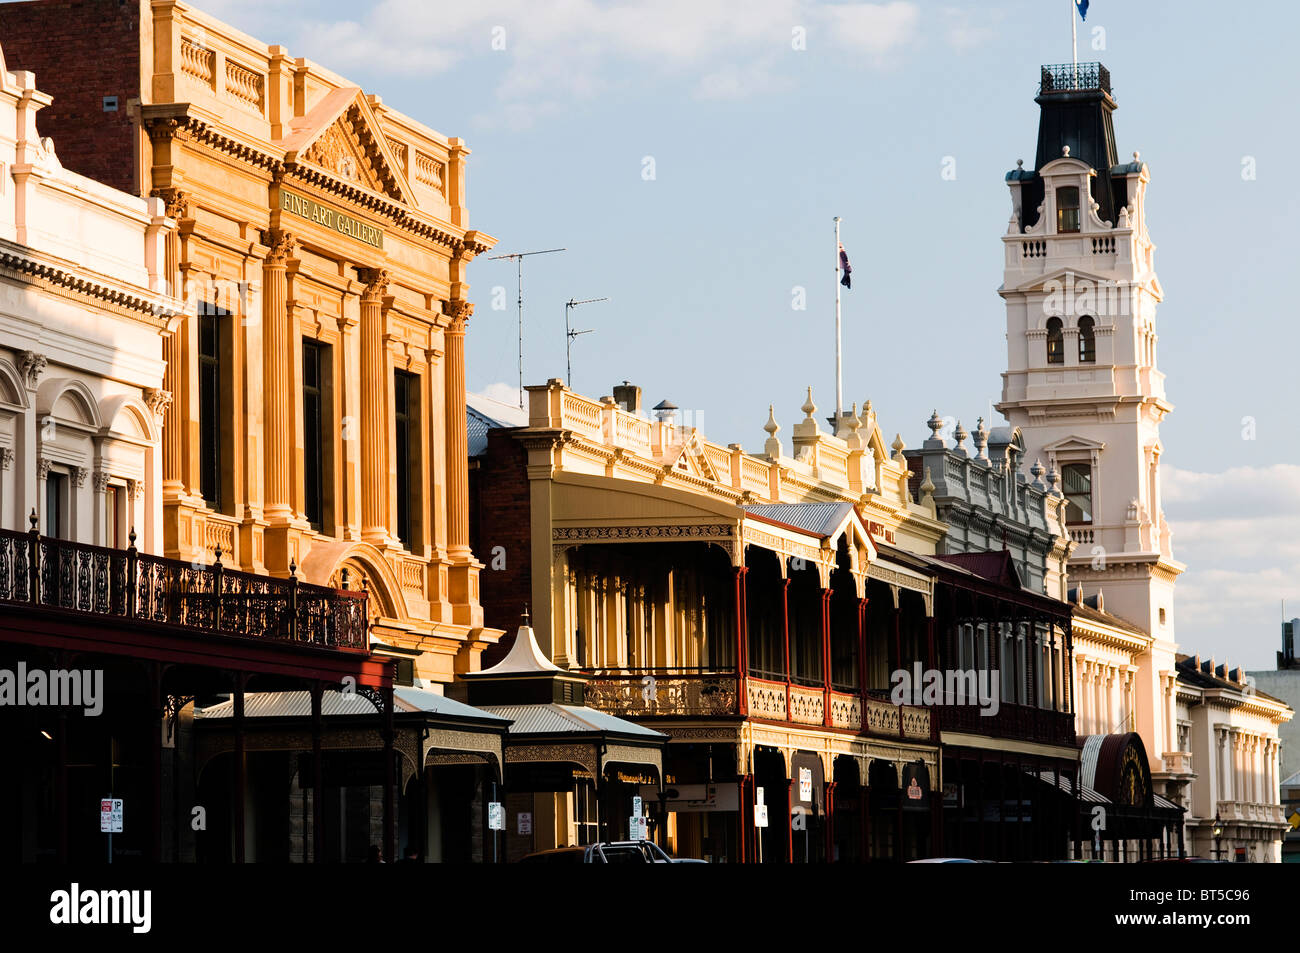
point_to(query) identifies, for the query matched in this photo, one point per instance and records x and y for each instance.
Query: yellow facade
(310, 212)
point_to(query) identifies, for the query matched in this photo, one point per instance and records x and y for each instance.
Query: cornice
(22, 264)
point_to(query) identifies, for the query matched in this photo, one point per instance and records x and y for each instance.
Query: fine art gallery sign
(313, 211)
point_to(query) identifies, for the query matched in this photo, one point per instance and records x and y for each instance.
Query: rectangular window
(211, 401)
(56, 505)
(406, 408)
(1077, 480)
(1067, 209)
(113, 516)
(315, 363)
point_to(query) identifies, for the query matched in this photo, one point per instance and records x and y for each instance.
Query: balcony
(122, 584)
(1072, 77)
(1178, 762)
(1019, 722)
(682, 693)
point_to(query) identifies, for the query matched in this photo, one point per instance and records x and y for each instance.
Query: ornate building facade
(317, 419)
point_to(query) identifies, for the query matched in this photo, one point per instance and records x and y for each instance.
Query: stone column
(277, 396)
(173, 485)
(459, 311)
(374, 411)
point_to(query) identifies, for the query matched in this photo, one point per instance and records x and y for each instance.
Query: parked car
(606, 852)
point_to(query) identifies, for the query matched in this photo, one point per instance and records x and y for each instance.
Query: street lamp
(1218, 836)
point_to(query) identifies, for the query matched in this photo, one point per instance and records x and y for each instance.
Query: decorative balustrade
(1034, 248)
(198, 62)
(766, 699)
(631, 432)
(1104, 245)
(245, 86)
(1069, 77)
(1082, 536)
(807, 705)
(46, 573)
(581, 415)
(1178, 762)
(846, 711)
(1020, 722)
(641, 692)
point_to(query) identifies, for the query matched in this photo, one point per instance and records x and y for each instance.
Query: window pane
(313, 459)
(1067, 209)
(1055, 342)
(210, 406)
(1076, 479)
(1087, 341)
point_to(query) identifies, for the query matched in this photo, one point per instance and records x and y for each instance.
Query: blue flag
(1083, 8)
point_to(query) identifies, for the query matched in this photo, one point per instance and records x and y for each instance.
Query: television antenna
(518, 259)
(570, 334)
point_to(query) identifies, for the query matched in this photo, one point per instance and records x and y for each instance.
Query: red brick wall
(81, 51)
(500, 517)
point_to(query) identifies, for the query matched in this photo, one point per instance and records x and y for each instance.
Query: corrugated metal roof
(485, 413)
(818, 519)
(567, 719)
(298, 705)
(1090, 795)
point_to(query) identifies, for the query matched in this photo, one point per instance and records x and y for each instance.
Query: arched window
(1087, 341)
(1055, 342)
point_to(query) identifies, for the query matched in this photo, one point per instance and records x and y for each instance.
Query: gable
(1074, 442)
(341, 137)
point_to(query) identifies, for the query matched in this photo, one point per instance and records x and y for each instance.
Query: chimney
(628, 397)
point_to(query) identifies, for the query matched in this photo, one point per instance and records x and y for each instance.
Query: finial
(217, 553)
(34, 519)
(809, 408)
(935, 423)
(960, 435)
(1053, 477)
(130, 538)
(771, 426)
(1137, 156)
(898, 447)
(524, 617)
(1038, 470)
(927, 486)
(1020, 163)
(981, 441)
(867, 409)
(343, 576)
(293, 567)
(1065, 150)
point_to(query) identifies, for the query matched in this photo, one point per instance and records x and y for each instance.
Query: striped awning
(1066, 784)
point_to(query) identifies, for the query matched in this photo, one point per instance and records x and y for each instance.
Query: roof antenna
(570, 335)
(518, 258)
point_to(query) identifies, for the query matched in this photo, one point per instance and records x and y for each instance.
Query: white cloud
(1238, 531)
(503, 393)
(572, 50)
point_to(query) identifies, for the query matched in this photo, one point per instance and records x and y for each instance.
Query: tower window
(1087, 341)
(1055, 342)
(1067, 209)
(1077, 480)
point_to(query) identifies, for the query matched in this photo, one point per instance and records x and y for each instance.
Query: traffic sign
(496, 816)
(110, 815)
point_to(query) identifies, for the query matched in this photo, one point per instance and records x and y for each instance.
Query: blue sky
(757, 145)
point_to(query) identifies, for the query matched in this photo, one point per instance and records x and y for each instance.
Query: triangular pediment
(1059, 279)
(692, 459)
(341, 137)
(1074, 442)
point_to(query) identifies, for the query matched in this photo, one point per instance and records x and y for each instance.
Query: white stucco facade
(83, 315)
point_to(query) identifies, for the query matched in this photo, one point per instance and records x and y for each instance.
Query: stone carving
(281, 244)
(158, 400)
(6, 457)
(459, 310)
(78, 475)
(100, 481)
(42, 468)
(177, 202)
(376, 280)
(33, 365)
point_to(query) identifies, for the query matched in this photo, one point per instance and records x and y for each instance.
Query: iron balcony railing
(43, 572)
(1068, 77)
(1019, 722)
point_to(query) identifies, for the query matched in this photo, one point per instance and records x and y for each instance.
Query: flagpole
(839, 369)
(1074, 42)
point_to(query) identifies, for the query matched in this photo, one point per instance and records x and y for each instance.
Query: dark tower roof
(1076, 106)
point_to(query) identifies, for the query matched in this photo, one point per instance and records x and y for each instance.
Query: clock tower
(1082, 382)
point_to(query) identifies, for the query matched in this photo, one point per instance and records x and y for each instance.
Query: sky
(690, 155)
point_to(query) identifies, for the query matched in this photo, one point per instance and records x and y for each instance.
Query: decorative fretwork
(661, 693)
(43, 572)
(1068, 77)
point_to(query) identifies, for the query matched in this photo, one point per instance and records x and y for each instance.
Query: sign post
(110, 820)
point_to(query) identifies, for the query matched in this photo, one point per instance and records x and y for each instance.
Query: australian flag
(1083, 8)
(846, 280)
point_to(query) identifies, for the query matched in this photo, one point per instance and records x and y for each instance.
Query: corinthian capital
(376, 280)
(281, 243)
(157, 400)
(459, 310)
(177, 202)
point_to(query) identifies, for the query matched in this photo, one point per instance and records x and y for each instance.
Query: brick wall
(500, 517)
(81, 51)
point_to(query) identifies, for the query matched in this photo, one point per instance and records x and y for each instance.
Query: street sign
(1295, 821)
(758, 795)
(914, 791)
(525, 822)
(805, 784)
(760, 814)
(636, 807)
(637, 827)
(496, 816)
(110, 815)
